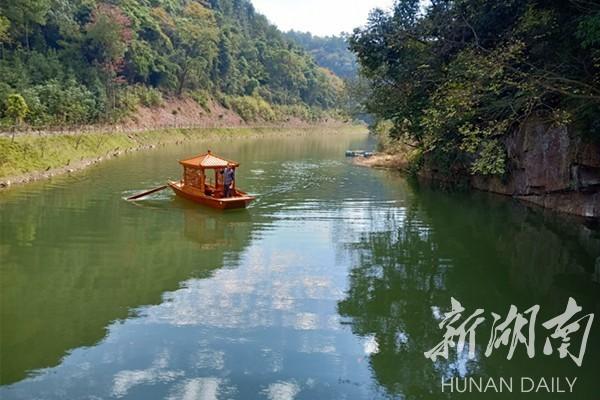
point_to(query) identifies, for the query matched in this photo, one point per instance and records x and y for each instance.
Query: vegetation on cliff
(89, 61)
(454, 78)
(330, 52)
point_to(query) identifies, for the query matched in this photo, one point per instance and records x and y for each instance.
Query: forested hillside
(457, 78)
(86, 61)
(330, 52)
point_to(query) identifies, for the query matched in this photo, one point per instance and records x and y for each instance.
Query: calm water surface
(330, 286)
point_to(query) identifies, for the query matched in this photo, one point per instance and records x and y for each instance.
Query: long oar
(147, 192)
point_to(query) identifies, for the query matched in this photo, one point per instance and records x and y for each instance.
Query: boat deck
(240, 200)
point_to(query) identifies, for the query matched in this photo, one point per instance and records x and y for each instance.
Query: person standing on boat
(228, 180)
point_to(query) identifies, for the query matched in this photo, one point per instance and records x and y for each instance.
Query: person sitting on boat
(228, 180)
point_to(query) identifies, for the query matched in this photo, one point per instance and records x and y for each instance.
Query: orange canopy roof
(207, 161)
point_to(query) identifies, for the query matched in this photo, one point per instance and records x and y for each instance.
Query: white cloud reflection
(370, 345)
(197, 389)
(282, 391)
(127, 379)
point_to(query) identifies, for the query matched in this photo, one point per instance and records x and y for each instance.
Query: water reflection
(64, 296)
(264, 327)
(240, 307)
(489, 253)
(331, 285)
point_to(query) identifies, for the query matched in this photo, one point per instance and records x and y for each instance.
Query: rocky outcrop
(552, 167)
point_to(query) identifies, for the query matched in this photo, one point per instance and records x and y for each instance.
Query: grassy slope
(33, 153)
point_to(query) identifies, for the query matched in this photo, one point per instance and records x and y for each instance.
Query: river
(330, 286)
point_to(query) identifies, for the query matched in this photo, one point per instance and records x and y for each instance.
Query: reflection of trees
(486, 252)
(64, 297)
(398, 277)
(74, 257)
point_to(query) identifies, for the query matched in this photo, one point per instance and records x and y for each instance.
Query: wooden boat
(198, 186)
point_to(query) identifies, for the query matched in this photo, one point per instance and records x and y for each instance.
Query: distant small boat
(359, 153)
(196, 185)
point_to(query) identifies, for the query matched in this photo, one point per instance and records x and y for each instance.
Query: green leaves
(87, 61)
(4, 26)
(491, 159)
(330, 52)
(252, 108)
(460, 76)
(588, 30)
(16, 108)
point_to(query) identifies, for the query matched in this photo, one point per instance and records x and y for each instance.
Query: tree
(16, 110)
(4, 35)
(76, 61)
(224, 62)
(251, 86)
(4, 26)
(195, 42)
(25, 14)
(457, 78)
(330, 52)
(109, 35)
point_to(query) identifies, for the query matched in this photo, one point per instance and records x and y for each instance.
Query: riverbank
(384, 161)
(33, 157)
(579, 203)
(554, 167)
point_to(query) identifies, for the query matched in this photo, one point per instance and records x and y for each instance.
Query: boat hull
(195, 195)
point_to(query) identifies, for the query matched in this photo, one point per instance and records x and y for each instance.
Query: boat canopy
(208, 161)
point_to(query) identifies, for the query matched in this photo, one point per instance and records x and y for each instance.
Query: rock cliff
(552, 167)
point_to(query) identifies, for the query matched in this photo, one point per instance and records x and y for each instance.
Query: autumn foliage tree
(108, 35)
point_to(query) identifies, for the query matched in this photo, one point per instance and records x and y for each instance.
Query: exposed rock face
(551, 167)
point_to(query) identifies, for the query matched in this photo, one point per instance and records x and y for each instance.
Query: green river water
(330, 286)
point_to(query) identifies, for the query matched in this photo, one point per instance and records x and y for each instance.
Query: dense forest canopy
(455, 78)
(330, 52)
(87, 61)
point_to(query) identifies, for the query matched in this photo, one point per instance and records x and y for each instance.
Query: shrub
(202, 97)
(252, 108)
(60, 103)
(127, 103)
(16, 108)
(38, 111)
(148, 96)
(224, 100)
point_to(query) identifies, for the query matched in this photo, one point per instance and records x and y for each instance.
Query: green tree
(251, 86)
(195, 44)
(25, 15)
(224, 62)
(4, 35)
(457, 78)
(16, 110)
(329, 52)
(4, 26)
(87, 61)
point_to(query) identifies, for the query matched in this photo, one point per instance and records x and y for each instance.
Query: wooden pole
(147, 192)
